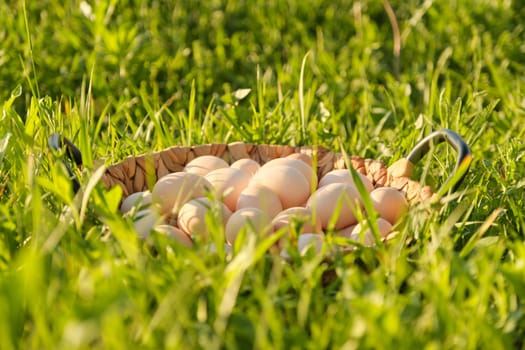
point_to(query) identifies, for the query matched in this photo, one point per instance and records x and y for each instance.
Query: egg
(144, 222)
(346, 231)
(302, 167)
(344, 176)
(307, 240)
(173, 190)
(228, 184)
(258, 196)
(287, 182)
(253, 220)
(389, 203)
(192, 216)
(175, 234)
(247, 165)
(302, 157)
(139, 199)
(296, 217)
(204, 164)
(324, 202)
(368, 237)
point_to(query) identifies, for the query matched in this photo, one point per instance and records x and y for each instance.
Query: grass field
(126, 78)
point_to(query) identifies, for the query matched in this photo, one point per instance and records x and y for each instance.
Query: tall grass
(125, 78)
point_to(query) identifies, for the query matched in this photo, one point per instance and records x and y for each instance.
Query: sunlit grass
(126, 79)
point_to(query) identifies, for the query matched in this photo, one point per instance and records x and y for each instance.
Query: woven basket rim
(131, 173)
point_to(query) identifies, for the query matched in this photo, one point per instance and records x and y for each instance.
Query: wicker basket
(131, 173)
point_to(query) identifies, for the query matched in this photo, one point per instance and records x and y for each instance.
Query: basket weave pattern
(130, 173)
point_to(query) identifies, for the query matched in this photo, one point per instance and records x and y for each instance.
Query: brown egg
(302, 167)
(258, 196)
(325, 201)
(173, 190)
(287, 182)
(228, 183)
(298, 217)
(192, 216)
(247, 165)
(389, 203)
(302, 157)
(306, 240)
(137, 199)
(253, 220)
(368, 237)
(344, 176)
(204, 164)
(176, 234)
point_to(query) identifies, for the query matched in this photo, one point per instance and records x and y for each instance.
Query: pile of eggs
(283, 194)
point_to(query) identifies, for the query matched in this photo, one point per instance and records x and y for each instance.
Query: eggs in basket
(283, 195)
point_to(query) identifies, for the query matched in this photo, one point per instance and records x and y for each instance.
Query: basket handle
(464, 157)
(57, 142)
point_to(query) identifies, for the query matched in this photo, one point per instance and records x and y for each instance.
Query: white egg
(306, 240)
(145, 221)
(137, 199)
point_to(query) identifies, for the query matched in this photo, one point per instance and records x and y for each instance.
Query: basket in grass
(183, 186)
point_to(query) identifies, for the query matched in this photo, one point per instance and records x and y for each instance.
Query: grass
(125, 78)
